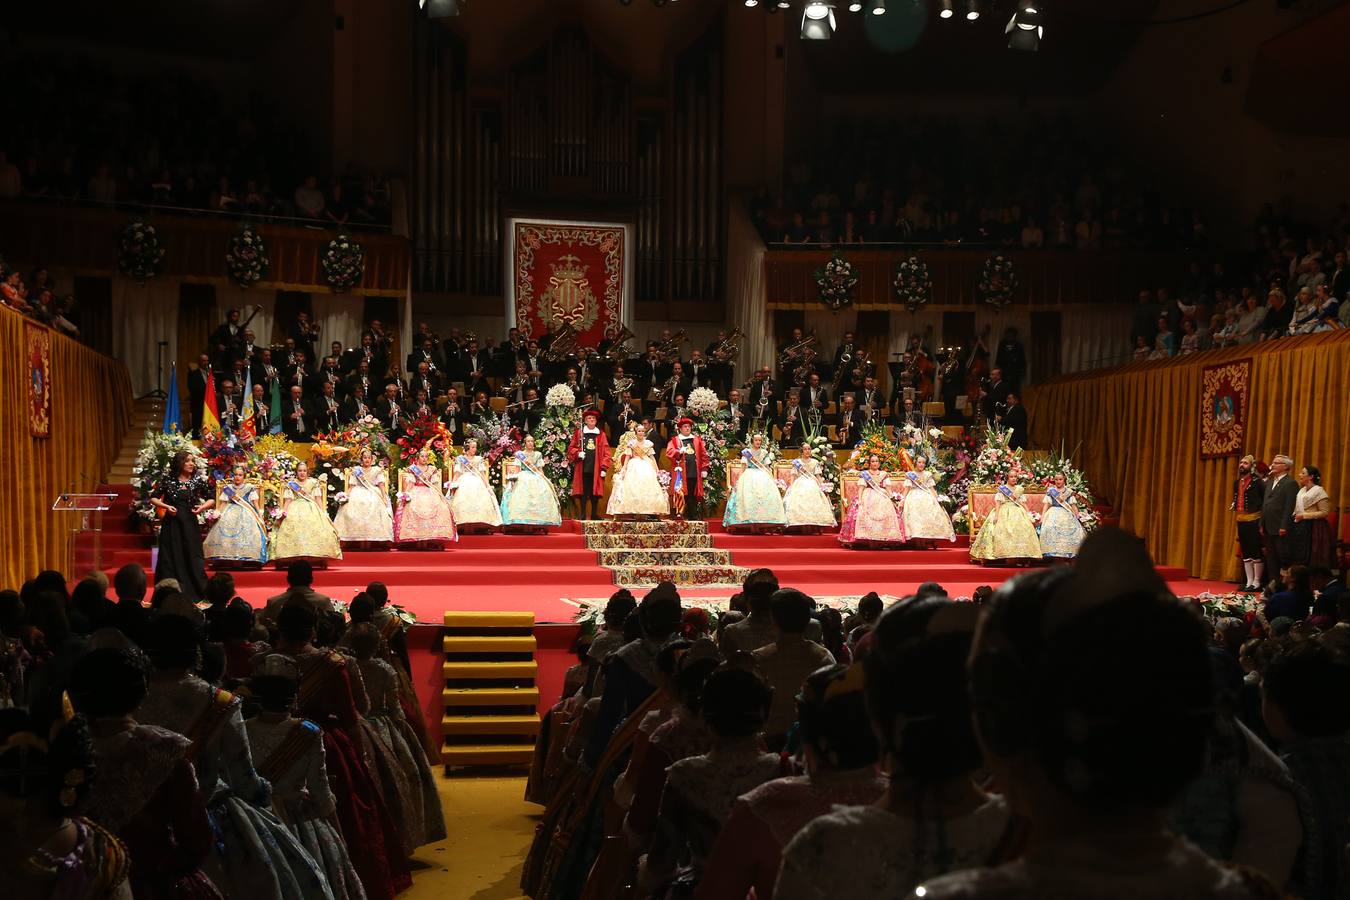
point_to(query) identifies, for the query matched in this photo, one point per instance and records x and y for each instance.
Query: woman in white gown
(925, 519)
(808, 506)
(637, 489)
(366, 515)
(472, 499)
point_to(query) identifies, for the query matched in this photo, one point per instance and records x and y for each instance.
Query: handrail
(162, 208)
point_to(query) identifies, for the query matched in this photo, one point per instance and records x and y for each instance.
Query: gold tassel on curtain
(1139, 428)
(91, 410)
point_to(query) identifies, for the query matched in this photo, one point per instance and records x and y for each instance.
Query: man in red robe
(687, 452)
(588, 454)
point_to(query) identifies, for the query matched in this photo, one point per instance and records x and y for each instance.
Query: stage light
(972, 10)
(752, 3)
(946, 9)
(440, 9)
(817, 21)
(784, 4)
(1025, 30)
(855, 6)
(878, 7)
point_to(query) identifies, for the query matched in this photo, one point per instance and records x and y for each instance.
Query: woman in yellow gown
(305, 531)
(1008, 533)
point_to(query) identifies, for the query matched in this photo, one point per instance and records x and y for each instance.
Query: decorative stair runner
(490, 698)
(643, 553)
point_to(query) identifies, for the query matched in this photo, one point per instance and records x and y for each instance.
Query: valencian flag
(210, 406)
(172, 407)
(248, 429)
(678, 490)
(275, 400)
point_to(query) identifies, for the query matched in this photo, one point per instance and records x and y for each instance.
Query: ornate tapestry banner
(568, 274)
(1223, 408)
(37, 343)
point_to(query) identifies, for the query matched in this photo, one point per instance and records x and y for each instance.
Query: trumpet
(793, 351)
(669, 350)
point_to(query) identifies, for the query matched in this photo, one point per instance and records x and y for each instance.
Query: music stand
(89, 520)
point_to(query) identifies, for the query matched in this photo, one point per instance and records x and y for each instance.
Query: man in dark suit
(425, 352)
(477, 365)
(299, 375)
(1277, 512)
(1016, 419)
(304, 333)
(196, 385)
(740, 415)
(226, 339)
(390, 411)
(424, 379)
(330, 374)
(296, 420)
(868, 400)
(453, 416)
(996, 391)
(814, 395)
(619, 413)
(792, 421)
(355, 406)
(847, 423)
(262, 412)
(231, 405)
(1340, 277)
(680, 387)
(327, 408)
(264, 372)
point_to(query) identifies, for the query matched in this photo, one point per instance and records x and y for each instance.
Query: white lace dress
(637, 489)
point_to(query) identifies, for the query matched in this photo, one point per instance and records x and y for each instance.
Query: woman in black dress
(180, 497)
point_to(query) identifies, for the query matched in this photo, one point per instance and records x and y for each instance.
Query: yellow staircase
(490, 698)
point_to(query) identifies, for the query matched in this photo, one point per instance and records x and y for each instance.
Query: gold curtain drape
(1139, 431)
(91, 410)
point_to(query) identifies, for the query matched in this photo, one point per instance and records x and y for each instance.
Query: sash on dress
(204, 727)
(291, 750)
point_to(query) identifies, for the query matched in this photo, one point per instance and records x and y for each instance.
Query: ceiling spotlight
(1025, 30)
(855, 6)
(817, 21)
(946, 9)
(972, 10)
(752, 3)
(784, 4)
(440, 9)
(878, 7)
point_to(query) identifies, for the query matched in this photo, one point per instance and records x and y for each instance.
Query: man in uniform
(686, 451)
(589, 456)
(1249, 494)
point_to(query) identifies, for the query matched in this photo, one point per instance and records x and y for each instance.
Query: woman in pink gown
(875, 518)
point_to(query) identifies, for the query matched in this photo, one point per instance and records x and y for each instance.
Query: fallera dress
(925, 519)
(305, 532)
(755, 499)
(473, 501)
(367, 515)
(425, 515)
(874, 518)
(1061, 532)
(637, 489)
(528, 498)
(1008, 532)
(239, 534)
(805, 502)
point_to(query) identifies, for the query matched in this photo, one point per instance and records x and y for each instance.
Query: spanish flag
(210, 406)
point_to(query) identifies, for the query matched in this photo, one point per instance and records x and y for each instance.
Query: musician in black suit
(423, 379)
(814, 395)
(1277, 513)
(996, 391)
(589, 371)
(528, 414)
(719, 367)
(619, 414)
(1015, 418)
(421, 406)
(651, 371)
(381, 341)
(330, 374)
(740, 414)
(763, 389)
(365, 352)
(907, 414)
(327, 408)
(426, 352)
(847, 423)
(792, 420)
(355, 406)
(299, 375)
(230, 403)
(305, 333)
(453, 415)
(296, 419)
(847, 347)
(248, 347)
(391, 411)
(477, 364)
(262, 413)
(675, 385)
(698, 373)
(196, 385)
(534, 363)
(226, 339)
(869, 400)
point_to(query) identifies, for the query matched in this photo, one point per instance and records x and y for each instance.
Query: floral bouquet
(836, 281)
(140, 251)
(560, 395)
(334, 451)
(913, 286)
(996, 459)
(998, 281)
(246, 259)
(344, 263)
(823, 451)
(496, 435)
(552, 437)
(422, 432)
(702, 403)
(1044, 469)
(718, 431)
(875, 441)
(153, 462)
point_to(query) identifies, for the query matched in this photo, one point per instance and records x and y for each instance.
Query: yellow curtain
(91, 410)
(1139, 430)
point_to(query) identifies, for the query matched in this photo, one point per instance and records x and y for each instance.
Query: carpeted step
(482, 726)
(643, 557)
(487, 643)
(487, 754)
(495, 697)
(489, 670)
(649, 541)
(644, 526)
(486, 620)
(681, 576)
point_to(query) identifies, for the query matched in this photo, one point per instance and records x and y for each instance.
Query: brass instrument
(845, 360)
(563, 344)
(469, 337)
(802, 372)
(516, 382)
(656, 393)
(669, 350)
(618, 349)
(621, 385)
(729, 347)
(794, 351)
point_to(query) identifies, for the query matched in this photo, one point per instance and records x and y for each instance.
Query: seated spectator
(309, 201)
(1294, 601)
(299, 591)
(788, 660)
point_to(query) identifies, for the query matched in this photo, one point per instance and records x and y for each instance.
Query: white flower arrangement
(836, 281)
(560, 395)
(703, 402)
(913, 285)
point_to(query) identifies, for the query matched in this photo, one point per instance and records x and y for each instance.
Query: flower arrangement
(334, 451)
(998, 281)
(560, 395)
(913, 286)
(496, 435)
(828, 464)
(344, 263)
(551, 438)
(426, 431)
(152, 466)
(140, 252)
(996, 459)
(246, 259)
(836, 281)
(703, 402)
(718, 431)
(1044, 469)
(875, 441)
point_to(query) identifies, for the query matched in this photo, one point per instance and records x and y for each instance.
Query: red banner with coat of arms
(37, 342)
(569, 274)
(1223, 408)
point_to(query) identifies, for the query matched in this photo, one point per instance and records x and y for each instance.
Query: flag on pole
(210, 406)
(275, 400)
(248, 429)
(678, 484)
(172, 407)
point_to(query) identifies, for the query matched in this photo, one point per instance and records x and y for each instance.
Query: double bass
(977, 367)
